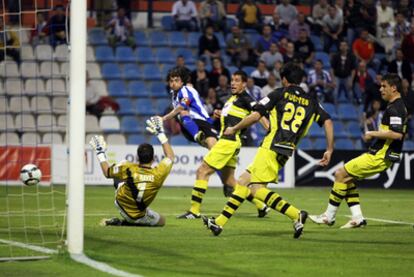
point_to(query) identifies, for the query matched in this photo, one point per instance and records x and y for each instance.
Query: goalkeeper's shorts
(204, 126)
(151, 218)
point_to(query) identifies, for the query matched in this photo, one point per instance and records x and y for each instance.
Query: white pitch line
(29, 246)
(386, 221)
(82, 258)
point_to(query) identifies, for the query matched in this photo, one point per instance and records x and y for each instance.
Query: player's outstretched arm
(98, 144)
(173, 113)
(246, 122)
(155, 126)
(389, 134)
(329, 134)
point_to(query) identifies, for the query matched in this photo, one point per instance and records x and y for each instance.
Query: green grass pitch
(248, 246)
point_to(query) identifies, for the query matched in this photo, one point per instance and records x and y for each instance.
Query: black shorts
(203, 125)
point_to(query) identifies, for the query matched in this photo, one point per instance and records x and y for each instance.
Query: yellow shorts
(366, 165)
(265, 166)
(224, 153)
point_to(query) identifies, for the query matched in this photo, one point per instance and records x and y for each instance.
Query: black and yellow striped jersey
(395, 119)
(141, 185)
(237, 107)
(291, 113)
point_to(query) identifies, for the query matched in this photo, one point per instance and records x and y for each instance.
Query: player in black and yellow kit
(291, 113)
(223, 155)
(140, 182)
(385, 151)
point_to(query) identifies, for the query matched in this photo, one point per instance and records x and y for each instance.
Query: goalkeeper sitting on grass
(140, 182)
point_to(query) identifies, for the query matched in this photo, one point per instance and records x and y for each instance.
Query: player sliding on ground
(291, 113)
(383, 153)
(223, 155)
(140, 182)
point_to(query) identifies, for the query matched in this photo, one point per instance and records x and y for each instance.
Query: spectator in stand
(38, 35)
(369, 16)
(200, 80)
(184, 13)
(275, 23)
(96, 101)
(401, 66)
(287, 13)
(401, 29)
(272, 84)
(407, 45)
(291, 55)
(271, 56)
(9, 44)
(361, 15)
(264, 41)
(362, 82)
(283, 43)
(126, 5)
(208, 46)
(253, 90)
(276, 72)
(320, 83)
(332, 28)
(405, 7)
(212, 13)
(180, 63)
(249, 15)
(120, 30)
(239, 48)
(343, 65)
(372, 119)
(304, 48)
(212, 103)
(318, 12)
(363, 47)
(217, 70)
(298, 24)
(56, 27)
(407, 95)
(223, 90)
(385, 25)
(260, 74)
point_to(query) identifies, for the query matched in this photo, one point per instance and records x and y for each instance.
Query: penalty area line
(386, 221)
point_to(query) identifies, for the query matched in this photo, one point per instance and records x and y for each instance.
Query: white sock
(331, 211)
(356, 212)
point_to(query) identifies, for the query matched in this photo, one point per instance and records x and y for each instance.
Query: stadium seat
(62, 53)
(59, 105)
(117, 89)
(159, 39)
(141, 39)
(40, 105)
(340, 130)
(230, 22)
(109, 123)
(145, 55)
(49, 69)
(94, 70)
(126, 106)
(249, 69)
(97, 37)
(90, 54)
(354, 130)
(317, 42)
(344, 144)
(144, 107)
(62, 122)
(9, 138)
(138, 89)
(14, 87)
(324, 57)
(46, 123)
(358, 144)
(44, 52)
(165, 55)
(158, 89)
(188, 55)
(116, 139)
(104, 54)
(25, 123)
(151, 72)
(28, 69)
(111, 71)
(26, 53)
(125, 54)
(30, 139)
(232, 69)
(178, 39)
(137, 139)
(6, 122)
(99, 86)
(319, 144)
(55, 87)
(4, 105)
(91, 124)
(19, 104)
(305, 144)
(52, 138)
(130, 124)
(316, 131)
(330, 109)
(10, 69)
(347, 111)
(161, 105)
(131, 71)
(167, 23)
(193, 38)
(408, 145)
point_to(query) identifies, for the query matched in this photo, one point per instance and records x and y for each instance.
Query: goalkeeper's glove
(99, 145)
(155, 127)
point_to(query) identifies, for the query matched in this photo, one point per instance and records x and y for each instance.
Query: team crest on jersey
(185, 101)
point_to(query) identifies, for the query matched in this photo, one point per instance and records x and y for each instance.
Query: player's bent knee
(161, 222)
(340, 174)
(254, 188)
(204, 171)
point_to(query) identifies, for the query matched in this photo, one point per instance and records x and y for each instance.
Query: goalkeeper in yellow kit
(140, 182)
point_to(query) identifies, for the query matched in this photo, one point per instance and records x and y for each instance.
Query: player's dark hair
(393, 80)
(292, 72)
(145, 153)
(242, 74)
(181, 72)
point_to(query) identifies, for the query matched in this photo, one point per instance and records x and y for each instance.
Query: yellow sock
(199, 189)
(235, 200)
(352, 195)
(275, 201)
(338, 192)
(258, 203)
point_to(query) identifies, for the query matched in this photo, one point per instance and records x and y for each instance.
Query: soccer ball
(30, 174)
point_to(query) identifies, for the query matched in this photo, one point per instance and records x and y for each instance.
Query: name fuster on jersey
(297, 99)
